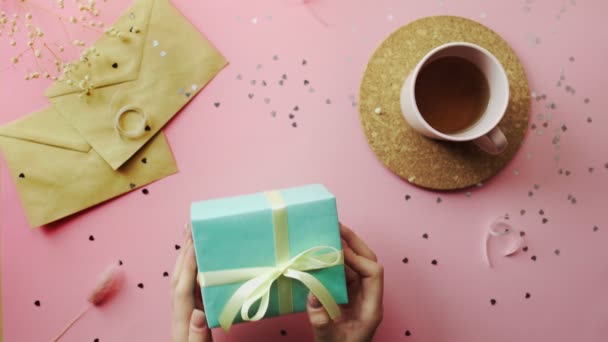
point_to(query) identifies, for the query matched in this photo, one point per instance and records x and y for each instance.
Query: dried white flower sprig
(23, 22)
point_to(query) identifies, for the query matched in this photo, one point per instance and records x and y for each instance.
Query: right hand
(365, 280)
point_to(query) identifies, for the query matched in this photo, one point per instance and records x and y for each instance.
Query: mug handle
(493, 143)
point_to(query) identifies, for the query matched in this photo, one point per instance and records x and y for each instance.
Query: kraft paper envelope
(108, 110)
(155, 62)
(57, 173)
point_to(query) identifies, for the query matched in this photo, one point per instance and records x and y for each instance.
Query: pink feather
(312, 10)
(108, 283)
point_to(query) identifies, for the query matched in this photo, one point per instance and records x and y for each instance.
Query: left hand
(189, 321)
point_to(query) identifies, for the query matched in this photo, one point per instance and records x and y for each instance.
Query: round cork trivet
(422, 161)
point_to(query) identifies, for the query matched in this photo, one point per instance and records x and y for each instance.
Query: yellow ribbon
(258, 280)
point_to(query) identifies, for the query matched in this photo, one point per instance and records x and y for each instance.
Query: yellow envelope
(57, 173)
(83, 150)
(152, 62)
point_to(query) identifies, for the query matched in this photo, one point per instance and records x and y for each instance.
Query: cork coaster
(422, 161)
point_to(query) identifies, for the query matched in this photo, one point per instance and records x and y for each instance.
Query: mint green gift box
(239, 233)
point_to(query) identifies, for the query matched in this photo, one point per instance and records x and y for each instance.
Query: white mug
(484, 133)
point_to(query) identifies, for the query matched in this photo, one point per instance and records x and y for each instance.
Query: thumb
(199, 331)
(322, 326)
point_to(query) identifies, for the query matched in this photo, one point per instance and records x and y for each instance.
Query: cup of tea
(458, 92)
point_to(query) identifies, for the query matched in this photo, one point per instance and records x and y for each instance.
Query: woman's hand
(362, 315)
(189, 321)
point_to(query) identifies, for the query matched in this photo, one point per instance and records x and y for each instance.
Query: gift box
(260, 255)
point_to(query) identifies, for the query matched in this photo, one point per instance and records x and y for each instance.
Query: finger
(372, 283)
(187, 279)
(183, 299)
(322, 326)
(180, 257)
(365, 268)
(199, 331)
(198, 297)
(356, 243)
(351, 276)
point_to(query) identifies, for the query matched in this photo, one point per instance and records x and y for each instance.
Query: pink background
(239, 147)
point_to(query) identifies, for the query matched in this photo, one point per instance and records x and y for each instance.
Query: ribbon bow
(258, 281)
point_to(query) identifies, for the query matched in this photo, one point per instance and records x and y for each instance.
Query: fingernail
(313, 301)
(198, 319)
(187, 229)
